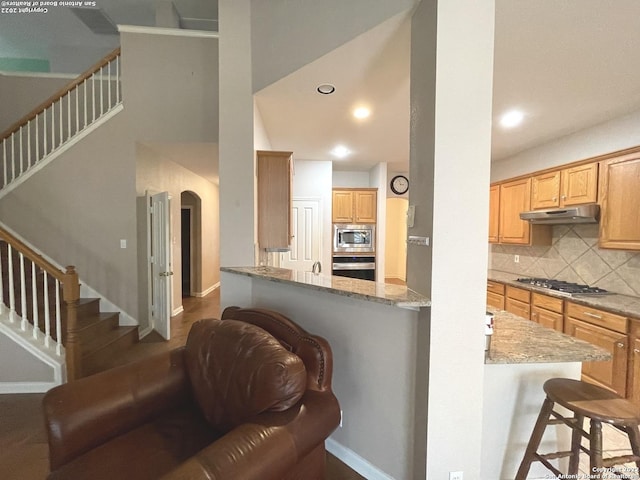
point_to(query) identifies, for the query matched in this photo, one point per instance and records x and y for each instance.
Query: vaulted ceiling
(567, 65)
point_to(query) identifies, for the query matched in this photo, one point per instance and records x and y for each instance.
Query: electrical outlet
(340, 425)
(455, 476)
(516, 258)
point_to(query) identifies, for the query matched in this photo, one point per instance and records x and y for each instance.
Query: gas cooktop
(565, 288)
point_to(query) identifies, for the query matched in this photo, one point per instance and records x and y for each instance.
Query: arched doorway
(191, 243)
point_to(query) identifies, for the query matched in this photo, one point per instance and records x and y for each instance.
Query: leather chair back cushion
(238, 370)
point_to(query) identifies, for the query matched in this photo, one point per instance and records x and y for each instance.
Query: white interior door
(306, 245)
(160, 263)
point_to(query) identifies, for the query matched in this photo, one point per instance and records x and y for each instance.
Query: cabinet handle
(555, 199)
(620, 345)
(592, 315)
(564, 197)
(635, 350)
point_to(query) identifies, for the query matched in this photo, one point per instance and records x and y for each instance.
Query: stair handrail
(70, 295)
(59, 94)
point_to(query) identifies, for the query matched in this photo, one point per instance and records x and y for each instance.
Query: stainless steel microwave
(354, 238)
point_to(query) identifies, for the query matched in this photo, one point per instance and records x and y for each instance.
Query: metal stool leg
(595, 459)
(536, 438)
(576, 439)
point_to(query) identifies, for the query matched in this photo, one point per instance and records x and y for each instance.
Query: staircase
(67, 115)
(39, 301)
(43, 302)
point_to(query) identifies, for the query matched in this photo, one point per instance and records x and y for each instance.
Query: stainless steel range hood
(579, 214)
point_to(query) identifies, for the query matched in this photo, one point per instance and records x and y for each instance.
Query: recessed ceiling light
(326, 89)
(512, 119)
(340, 151)
(361, 112)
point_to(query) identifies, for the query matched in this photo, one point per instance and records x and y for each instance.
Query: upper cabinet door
(545, 190)
(342, 206)
(366, 205)
(620, 202)
(515, 197)
(274, 199)
(579, 185)
(494, 214)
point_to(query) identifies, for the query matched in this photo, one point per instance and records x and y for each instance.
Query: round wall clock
(399, 184)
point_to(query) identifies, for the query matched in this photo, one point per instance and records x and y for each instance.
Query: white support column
(237, 156)
(451, 93)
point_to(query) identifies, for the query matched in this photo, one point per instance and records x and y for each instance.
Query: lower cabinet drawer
(495, 300)
(517, 307)
(547, 318)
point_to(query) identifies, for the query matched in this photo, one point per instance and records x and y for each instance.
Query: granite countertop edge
(406, 299)
(520, 341)
(616, 303)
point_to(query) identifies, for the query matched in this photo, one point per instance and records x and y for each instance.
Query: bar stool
(585, 401)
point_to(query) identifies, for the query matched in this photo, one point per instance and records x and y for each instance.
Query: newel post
(71, 296)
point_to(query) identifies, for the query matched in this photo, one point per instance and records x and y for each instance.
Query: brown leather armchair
(232, 404)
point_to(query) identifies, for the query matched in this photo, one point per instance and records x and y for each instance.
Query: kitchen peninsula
(379, 335)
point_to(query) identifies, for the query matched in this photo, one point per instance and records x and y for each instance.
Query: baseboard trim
(207, 291)
(177, 311)
(143, 332)
(355, 461)
(26, 387)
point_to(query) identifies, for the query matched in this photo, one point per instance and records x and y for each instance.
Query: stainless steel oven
(354, 238)
(354, 266)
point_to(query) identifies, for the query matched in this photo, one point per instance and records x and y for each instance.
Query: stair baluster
(52, 123)
(26, 309)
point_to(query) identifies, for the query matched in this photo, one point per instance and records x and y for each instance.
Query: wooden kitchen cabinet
(547, 311)
(608, 331)
(354, 205)
(633, 374)
(494, 214)
(274, 199)
(517, 301)
(495, 295)
(515, 197)
(565, 187)
(619, 199)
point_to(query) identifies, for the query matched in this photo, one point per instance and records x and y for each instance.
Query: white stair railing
(40, 300)
(50, 126)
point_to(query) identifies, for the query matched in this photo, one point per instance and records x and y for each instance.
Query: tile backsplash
(574, 256)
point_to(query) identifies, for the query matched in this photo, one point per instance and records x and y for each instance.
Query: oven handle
(354, 266)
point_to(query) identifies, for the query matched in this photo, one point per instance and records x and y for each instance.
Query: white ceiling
(566, 64)
(569, 64)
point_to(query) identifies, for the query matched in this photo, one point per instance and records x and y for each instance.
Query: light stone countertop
(614, 303)
(517, 340)
(394, 295)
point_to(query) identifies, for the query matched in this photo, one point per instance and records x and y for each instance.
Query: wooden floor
(23, 444)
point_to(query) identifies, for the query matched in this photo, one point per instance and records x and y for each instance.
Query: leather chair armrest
(83, 414)
(249, 452)
(268, 446)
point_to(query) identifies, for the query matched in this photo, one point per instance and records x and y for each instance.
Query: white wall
(616, 134)
(378, 179)
(90, 191)
(374, 364)
(237, 154)
(451, 86)
(157, 173)
(289, 35)
(350, 179)
(18, 365)
(312, 179)
(21, 93)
